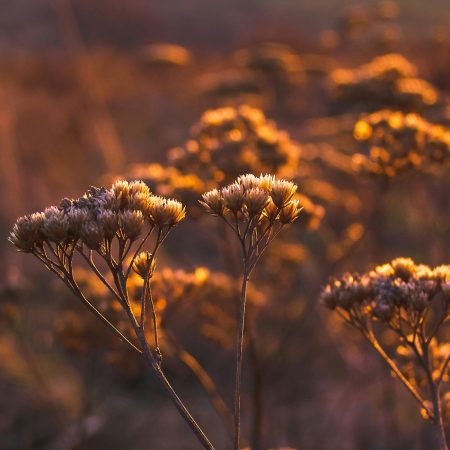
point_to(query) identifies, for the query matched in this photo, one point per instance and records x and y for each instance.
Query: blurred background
(93, 90)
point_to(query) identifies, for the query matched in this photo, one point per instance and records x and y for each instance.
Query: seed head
(77, 217)
(166, 211)
(131, 223)
(266, 182)
(248, 181)
(271, 211)
(56, 224)
(233, 197)
(144, 265)
(213, 202)
(255, 201)
(121, 196)
(282, 192)
(109, 222)
(27, 232)
(91, 234)
(290, 212)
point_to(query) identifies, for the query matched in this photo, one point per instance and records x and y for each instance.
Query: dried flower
(166, 212)
(131, 223)
(27, 232)
(144, 264)
(282, 192)
(213, 202)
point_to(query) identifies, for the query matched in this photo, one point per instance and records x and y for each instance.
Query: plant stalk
(239, 355)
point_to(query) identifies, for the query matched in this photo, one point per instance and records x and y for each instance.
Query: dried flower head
(144, 264)
(213, 202)
(166, 212)
(282, 192)
(27, 232)
(410, 301)
(249, 208)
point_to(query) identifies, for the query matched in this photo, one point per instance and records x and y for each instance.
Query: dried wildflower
(144, 264)
(98, 218)
(255, 218)
(131, 223)
(56, 225)
(166, 212)
(290, 212)
(255, 200)
(233, 197)
(92, 234)
(27, 232)
(411, 301)
(282, 192)
(213, 202)
(109, 222)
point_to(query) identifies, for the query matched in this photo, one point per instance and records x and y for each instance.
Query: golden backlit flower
(144, 264)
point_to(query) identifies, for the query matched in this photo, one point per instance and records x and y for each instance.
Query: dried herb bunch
(398, 142)
(256, 209)
(109, 230)
(412, 302)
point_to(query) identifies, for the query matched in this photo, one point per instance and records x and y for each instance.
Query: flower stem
(239, 354)
(153, 364)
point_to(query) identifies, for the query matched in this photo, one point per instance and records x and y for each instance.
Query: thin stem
(376, 345)
(438, 421)
(153, 364)
(443, 369)
(239, 355)
(257, 392)
(205, 380)
(89, 259)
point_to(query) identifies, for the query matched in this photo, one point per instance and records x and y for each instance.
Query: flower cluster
(255, 208)
(391, 292)
(94, 220)
(388, 80)
(397, 142)
(410, 301)
(257, 199)
(229, 141)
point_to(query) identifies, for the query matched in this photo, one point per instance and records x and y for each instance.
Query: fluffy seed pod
(248, 181)
(290, 212)
(166, 212)
(282, 192)
(56, 225)
(266, 182)
(77, 217)
(255, 201)
(233, 197)
(91, 235)
(213, 202)
(271, 211)
(144, 265)
(109, 222)
(120, 191)
(131, 223)
(27, 232)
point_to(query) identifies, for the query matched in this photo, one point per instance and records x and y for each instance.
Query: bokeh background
(88, 93)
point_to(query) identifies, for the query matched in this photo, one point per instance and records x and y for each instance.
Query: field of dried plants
(236, 241)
